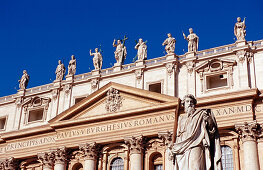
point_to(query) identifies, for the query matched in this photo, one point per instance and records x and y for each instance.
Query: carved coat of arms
(113, 100)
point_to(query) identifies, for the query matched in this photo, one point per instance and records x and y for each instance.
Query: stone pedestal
(190, 55)
(116, 67)
(136, 147)
(248, 134)
(170, 56)
(139, 63)
(90, 152)
(241, 43)
(70, 78)
(95, 72)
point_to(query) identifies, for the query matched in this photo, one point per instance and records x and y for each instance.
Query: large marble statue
(142, 50)
(72, 66)
(170, 44)
(60, 71)
(97, 59)
(121, 51)
(197, 145)
(23, 82)
(193, 41)
(239, 29)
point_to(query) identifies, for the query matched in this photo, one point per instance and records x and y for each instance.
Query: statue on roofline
(169, 44)
(72, 66)
(97, 59)
(193, 41)
(239, 29)
(121, 51)
(142, 50)
(23, 82)
(60, 71)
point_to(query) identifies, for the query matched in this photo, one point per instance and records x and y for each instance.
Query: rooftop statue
(197, 144)
(23, 82)
(142, 50)
(60, 71)
(193, 41)
(97, 59)
(121, 51)
(239, 29)
(170, 44)
(72, 66)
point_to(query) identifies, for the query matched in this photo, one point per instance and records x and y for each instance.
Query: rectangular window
(156, 87)
(2, 123)
(35, 115)
(215, 81)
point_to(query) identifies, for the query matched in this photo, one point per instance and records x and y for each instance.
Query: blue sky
(35, 34)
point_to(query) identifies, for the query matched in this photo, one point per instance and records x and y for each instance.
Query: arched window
(117, 164)
(77, 166)
(227, 158)
(157, 162)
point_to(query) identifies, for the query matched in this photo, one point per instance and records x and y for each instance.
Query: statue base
(240, 43)
(21, 92)
(57, 84)
(95, 72)
(190, 55)
(170, 56)
(139, 63)
(117, 67)
(70, 78)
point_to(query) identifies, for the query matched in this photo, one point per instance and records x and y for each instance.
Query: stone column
(248, 133)
(167, 141)
(91, 154)
(60, 158)
(47, 160)
(8, 164)
(136, 152)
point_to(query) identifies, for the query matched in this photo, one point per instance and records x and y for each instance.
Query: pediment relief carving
(215, 65)
(35, 102)
(113, 100)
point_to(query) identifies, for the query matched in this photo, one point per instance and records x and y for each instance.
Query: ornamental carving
(113, 100)
(166, 137)
(60, 155)
(248, 131)
(190, 66)
(138, 74)
(8, 164)
(67, 88)
(47, 159)
(55, 93)
(36, 102)
(136, 144)
(94, 83)
(19, 101)
(90, 150)
(243, 55)
(170, 67)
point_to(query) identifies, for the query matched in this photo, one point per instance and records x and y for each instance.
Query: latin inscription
(232, 110)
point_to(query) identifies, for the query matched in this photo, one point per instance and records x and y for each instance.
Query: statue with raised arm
(97, 59)
(197, 144)
(72, 66)
(142, 50)
(23, 82)
(60, 71)
(193, 41)
(239, 29)
(170, 44)
(121, 51)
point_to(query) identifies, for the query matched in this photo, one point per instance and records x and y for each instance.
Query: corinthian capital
(90, 150)
(60, 155)
(166, 138)
(46, 158)
(136, 144)
(248, 131)
(8, 164)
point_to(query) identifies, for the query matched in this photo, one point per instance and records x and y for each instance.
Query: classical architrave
(214, 67)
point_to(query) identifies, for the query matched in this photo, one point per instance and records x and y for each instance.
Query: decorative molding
(248, 131)
(113, 100)
(90, 150)
(19, 101)
(36, 102)
(94, 83)
(245, 54)
(190, 66)
(55, 93)
(136, 144)
(8, 164)
(138, 74)
(67, 88)
(170, 68)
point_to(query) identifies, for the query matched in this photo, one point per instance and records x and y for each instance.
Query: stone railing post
(248, 133)
(136, 145)
(91, 154)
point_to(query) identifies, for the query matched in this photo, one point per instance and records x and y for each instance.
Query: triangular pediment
(214, 65)
(113, 98)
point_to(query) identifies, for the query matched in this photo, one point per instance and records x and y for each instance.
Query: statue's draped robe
(193, 142)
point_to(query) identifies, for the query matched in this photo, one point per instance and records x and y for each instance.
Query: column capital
(60, 155)
(47, 159)
(8, 163)
(90, 150)
(248, 131)
(166, 137)
(136, 144)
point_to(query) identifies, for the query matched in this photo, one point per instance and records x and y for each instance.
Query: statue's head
(119, 41)
(191, 30)
(169, 35)
(140, 40)
(238, 19)
(189, 103)
(59, 61)
(72, 57)
(24, 72)
(96, 50)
